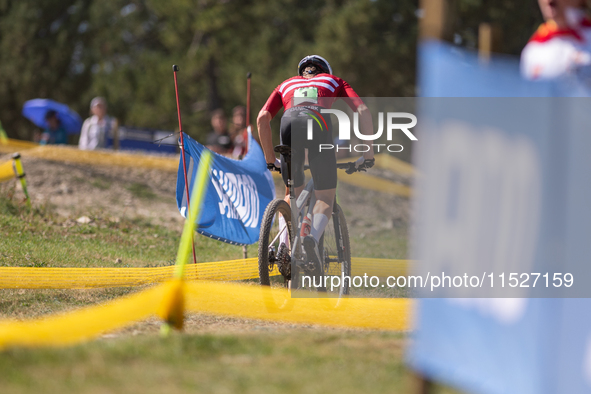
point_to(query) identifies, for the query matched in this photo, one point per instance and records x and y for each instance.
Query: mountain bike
(279, 247)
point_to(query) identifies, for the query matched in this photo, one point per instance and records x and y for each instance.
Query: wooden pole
(436, 21)
(489, 41)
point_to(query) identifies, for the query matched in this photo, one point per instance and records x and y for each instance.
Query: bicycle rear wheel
(335, 251)
(274, 245)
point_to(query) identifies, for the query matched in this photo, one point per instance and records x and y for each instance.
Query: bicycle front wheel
(275, 241)
(335, 251)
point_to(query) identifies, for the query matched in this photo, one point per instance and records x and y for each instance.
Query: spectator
(239, 132)
(219, 139)
(96, 128)
(561, 46)
(54, 134)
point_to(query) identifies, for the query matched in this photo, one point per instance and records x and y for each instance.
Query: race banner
(504, 192)
(237, 194)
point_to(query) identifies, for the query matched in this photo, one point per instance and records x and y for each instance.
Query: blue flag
(518, 344)
(237, 194)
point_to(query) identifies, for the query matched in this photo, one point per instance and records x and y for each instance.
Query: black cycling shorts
(323, 164)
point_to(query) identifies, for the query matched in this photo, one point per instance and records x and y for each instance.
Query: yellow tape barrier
(391, 163)
(72, 154)
(12, 146)
(371, 182)
(7, 171)
(170, 300)
(231, 270)
(170, 164)
(245, 301)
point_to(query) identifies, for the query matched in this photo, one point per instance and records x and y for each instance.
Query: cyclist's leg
(297, 165)
(297, 162)
(323, 167)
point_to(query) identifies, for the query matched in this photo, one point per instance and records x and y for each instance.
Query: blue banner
(500, 345)
(237, 194)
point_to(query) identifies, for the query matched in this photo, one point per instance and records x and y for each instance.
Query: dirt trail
(74, 190)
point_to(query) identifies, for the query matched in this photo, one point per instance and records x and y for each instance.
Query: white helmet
(315, 60)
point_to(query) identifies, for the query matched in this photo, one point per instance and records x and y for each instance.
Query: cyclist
(303, 96)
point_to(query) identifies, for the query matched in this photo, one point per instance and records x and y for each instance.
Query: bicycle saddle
(285, 150)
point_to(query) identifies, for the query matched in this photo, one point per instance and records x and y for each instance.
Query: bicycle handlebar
(352, 167)
(349, 167)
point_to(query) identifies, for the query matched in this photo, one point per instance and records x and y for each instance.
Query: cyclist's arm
(365, 120)
(268, 112)
(264, 127)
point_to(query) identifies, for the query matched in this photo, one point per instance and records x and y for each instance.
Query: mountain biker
(562, 44)
(303, 96)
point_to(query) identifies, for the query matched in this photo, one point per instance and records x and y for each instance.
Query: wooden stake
(489, 41)
(436, 19)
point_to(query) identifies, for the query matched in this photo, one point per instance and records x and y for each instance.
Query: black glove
(351, 168)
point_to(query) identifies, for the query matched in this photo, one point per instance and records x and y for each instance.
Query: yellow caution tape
(379, 267)
(371, 182)
(231, 270)
(72, 154)
(170, 164)
(262, 302)
(80, 278)
(391, 163)
(170, 299)
(7, 171)
(11, 146)
(83, 324)
(256, 302)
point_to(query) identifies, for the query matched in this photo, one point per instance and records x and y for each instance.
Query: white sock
(284, 237)
(319, 222)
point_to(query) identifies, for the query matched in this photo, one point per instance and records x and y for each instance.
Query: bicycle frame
(298, 211)
(306, 198)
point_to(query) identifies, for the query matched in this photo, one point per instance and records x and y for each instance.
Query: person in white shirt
(562, 45)
(96, 128)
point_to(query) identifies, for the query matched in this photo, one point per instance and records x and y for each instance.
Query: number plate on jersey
(305, 95)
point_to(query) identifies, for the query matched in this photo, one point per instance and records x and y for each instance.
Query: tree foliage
(73, 50)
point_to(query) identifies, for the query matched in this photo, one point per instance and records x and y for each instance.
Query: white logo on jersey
(239, 197)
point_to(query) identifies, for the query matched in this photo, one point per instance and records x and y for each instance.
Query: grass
(101, 183)
(383, 244)
(270, 362)
(40, 239)
(141, 190)
(255, 358)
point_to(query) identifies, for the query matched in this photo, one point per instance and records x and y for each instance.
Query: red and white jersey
(322, 90)
(553, 52)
